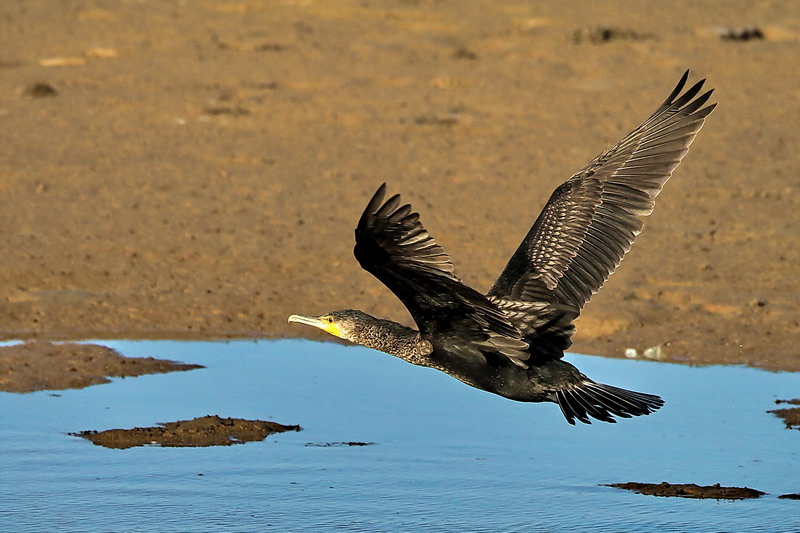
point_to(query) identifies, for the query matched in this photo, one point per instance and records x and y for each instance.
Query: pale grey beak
(307, 320)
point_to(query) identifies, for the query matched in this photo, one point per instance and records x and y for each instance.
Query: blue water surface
(446, 457)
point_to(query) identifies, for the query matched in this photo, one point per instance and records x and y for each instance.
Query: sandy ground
(195, 169)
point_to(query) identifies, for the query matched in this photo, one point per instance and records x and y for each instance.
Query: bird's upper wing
(392, 244)
(592, 219)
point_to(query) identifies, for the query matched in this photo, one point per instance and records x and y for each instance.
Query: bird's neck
(395, 339)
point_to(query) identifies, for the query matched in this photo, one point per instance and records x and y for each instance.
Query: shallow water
(446, 457)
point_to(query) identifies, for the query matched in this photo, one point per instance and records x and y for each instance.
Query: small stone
(654, 352)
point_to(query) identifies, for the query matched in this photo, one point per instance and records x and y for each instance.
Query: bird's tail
(602, 402)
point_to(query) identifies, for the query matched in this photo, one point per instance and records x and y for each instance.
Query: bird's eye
(330, 320)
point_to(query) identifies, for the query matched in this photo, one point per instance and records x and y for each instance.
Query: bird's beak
(317, 322)
(307, 320)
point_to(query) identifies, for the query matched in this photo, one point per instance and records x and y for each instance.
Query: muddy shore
(43, 365)
(195, 170)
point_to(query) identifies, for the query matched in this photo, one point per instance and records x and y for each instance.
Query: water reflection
(446, 456)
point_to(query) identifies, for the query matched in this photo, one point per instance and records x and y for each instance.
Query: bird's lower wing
(546, 327)
(392, 244)
(591, 220)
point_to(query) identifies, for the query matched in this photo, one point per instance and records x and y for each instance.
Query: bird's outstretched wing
(392, 245)
(592, 219)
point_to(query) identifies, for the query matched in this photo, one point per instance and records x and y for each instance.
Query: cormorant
(510, 341)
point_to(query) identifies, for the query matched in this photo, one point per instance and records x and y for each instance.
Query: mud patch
(40, 90)
(789, 497)
(605, 34)
(209, 430)
(40, 365)
(742, 34)
(690, 490)
(790, 415)
(337, 444)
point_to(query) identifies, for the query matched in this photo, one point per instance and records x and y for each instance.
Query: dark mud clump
(789, 497)
(40, 365)
(337, 444)
(605, 34)
(205, 431)
(790, 415)
(690, 490)
(742, 34)
(41, 90)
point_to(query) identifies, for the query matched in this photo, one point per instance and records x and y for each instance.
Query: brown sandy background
(195, 169)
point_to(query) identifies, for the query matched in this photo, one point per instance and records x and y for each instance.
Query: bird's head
(344, 324)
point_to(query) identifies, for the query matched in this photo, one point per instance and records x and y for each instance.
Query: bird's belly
(512, 382)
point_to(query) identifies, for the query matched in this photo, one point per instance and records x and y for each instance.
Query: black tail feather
(603, 402)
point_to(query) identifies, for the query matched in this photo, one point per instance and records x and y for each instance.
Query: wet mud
(41, 365)
(690, 490)
(338, 444)
(789, 415)
(209, 430)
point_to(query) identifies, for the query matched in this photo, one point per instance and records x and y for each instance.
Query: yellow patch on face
(328, 324)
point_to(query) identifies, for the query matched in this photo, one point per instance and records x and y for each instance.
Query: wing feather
(392, 244)
(591, 220)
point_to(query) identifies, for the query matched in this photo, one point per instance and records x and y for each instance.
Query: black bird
(510, 341)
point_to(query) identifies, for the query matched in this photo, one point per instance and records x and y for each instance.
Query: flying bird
(511, 340)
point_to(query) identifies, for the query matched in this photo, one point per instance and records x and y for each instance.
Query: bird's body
(510, 341)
